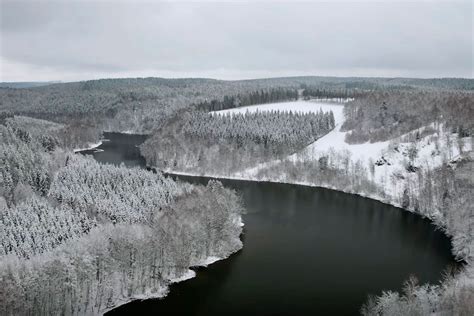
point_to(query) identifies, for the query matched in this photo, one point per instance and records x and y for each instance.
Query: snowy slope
(395, 167)
(392, 156)
(335, 140)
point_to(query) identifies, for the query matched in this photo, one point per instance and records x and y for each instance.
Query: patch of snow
(240, 222)
(186, 276)
(164, 290)
(209, 260)
(89, 146)
(148, 294)
(335, 140)
(333, 100)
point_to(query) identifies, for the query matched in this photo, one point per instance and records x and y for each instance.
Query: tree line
(382, 115)
(143, 104)
(310, 92)
(280, 132)
(232, 141)
(257, 97)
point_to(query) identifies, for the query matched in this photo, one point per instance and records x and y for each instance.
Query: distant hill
(143, 104)
(22, 85)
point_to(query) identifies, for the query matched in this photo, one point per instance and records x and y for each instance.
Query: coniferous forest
(76, 237)
(211, 158)
(79, 237)
(201, 140)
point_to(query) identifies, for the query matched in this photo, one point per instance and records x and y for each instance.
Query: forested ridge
(277, 131)
(77, 237)
(258, 97)
(310, 92)
(382, 115)
(143, 104)
(232, 141)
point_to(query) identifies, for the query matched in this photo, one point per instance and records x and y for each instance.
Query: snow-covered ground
(189, 274)
(148, 294)
(332, 100)
(164, 290)
(429, 152)
(335, 140)
(89, 146)
(392, 156)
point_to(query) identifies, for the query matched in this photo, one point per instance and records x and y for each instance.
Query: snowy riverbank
(89, 146)
(164, 290)
(389, 166)
(425, 171)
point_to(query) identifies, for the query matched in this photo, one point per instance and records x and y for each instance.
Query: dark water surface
(307, 251)
(118, 148)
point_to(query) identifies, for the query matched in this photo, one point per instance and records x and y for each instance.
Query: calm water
(119, 148)
(307, 251)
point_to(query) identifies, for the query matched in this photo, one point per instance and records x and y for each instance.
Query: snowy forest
(78, 237)
(232, 158)
(223, 142)
(252, 98)
(143, 104)
(423, 138)
(382, 115)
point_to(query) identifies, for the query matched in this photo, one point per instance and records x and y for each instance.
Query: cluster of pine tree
(113, 263)
(24, 160)
(277, 131)
(78, 237)
(198, 141)
(327, 93)
(255, 97)
(143, 104)
(114, 193)
(35, 226)
(386, 114)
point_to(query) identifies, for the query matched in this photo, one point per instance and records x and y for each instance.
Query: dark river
(307, 251)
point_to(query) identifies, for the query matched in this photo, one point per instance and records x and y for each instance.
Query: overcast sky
(78, 40)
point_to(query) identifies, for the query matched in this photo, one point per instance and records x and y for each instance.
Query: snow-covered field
(335, 140)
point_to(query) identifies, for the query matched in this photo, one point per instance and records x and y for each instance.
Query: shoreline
(165, 289)
(457, 256)
(90, 146)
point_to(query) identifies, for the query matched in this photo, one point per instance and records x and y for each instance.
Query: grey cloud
(108, 38)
